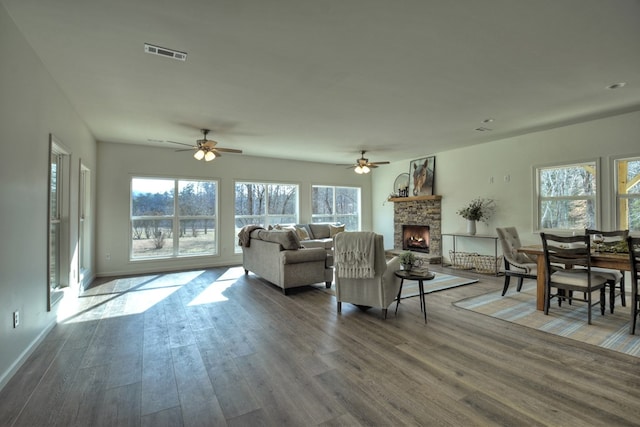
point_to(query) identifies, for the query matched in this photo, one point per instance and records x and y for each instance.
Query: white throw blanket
(355, 257)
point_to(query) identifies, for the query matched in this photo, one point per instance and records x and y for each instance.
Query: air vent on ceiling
(163, 51)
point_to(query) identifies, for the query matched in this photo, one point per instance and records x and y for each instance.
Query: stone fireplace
(422, 211)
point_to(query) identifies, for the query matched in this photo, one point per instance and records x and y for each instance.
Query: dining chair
(516, 264)
(568, 265)
(633, 244)
(614, 277)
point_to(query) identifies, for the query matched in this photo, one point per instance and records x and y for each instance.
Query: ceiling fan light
(365, 169)
(209, 156)
(198, 155)
(358, 170)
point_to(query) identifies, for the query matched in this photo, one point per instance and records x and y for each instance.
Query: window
(628, 193)
(265, 204)
(173, 217)
(58, 239)
(567, 196)
(84, 224)
(336, 204)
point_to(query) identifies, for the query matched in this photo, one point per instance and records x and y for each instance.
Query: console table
(455, 237)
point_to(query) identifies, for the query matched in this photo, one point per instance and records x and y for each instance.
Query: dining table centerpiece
(478, 209)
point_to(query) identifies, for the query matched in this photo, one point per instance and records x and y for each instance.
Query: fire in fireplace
(415, 238)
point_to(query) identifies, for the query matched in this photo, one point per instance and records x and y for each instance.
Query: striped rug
(609, 331)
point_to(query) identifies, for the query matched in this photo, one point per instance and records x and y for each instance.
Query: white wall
(464, 174)
(118, 162)
(31, 107)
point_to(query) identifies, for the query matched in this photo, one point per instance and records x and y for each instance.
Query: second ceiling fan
(363, 165)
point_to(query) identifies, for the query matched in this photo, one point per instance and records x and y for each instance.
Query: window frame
(266, 218)
(175, 219)
(539, 199)
(618, 196)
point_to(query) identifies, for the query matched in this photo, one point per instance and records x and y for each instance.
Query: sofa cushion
(302, 233)
(318, 243)
(286, 238)
(320, 231)
(335, 229)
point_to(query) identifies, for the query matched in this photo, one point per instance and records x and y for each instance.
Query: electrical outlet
(16, 319)
(108, 256)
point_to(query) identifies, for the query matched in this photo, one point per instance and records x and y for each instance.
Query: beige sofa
(277, 256)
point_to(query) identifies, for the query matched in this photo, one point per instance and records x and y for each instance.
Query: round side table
(408, 275)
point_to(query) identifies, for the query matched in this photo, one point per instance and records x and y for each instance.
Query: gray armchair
(516, 264)
(352, 259)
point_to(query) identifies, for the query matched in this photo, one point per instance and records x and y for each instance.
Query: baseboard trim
(17, 364)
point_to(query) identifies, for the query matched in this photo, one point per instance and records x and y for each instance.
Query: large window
(567, 196)
(173, 217)
(266, 204)
(628, 193)
(336, 204)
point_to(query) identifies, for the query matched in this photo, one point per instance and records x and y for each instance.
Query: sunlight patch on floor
(214, 292)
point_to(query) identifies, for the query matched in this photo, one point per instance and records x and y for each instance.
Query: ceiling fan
(206, 149)
(363, 165)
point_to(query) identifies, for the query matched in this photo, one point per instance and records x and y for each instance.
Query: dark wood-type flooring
(216, 348)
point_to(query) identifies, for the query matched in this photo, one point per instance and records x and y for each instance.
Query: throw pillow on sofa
(302, 233)
(335, 229)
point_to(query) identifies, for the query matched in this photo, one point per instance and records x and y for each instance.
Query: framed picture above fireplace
(422, 173)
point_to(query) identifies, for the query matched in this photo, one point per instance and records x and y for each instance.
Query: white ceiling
(322, 80)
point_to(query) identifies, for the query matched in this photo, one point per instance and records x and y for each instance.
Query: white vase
(471, 227)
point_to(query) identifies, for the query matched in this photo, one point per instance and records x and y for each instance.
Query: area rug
(439, 283)
(610, 331)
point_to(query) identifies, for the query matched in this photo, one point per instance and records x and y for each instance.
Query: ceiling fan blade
(228, 150)
(379, 163)
(372, 165)
(180, 143)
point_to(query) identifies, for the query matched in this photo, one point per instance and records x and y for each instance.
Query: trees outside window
(336, 204)
(567, 196)
(628, 193)
(265, 204)
(173, 217)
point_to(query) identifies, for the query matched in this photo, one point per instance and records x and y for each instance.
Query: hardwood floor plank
(197, 398)
(216, 347)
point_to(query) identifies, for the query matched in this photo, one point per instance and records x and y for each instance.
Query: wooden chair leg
(623, 296)
(520, 281)
(612, 295)
(339, 306)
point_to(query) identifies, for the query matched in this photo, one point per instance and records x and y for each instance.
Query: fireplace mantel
(413, 198)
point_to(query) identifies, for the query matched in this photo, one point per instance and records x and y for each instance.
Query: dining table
(611, 260)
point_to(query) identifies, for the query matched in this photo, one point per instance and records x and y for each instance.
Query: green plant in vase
(407, 259)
